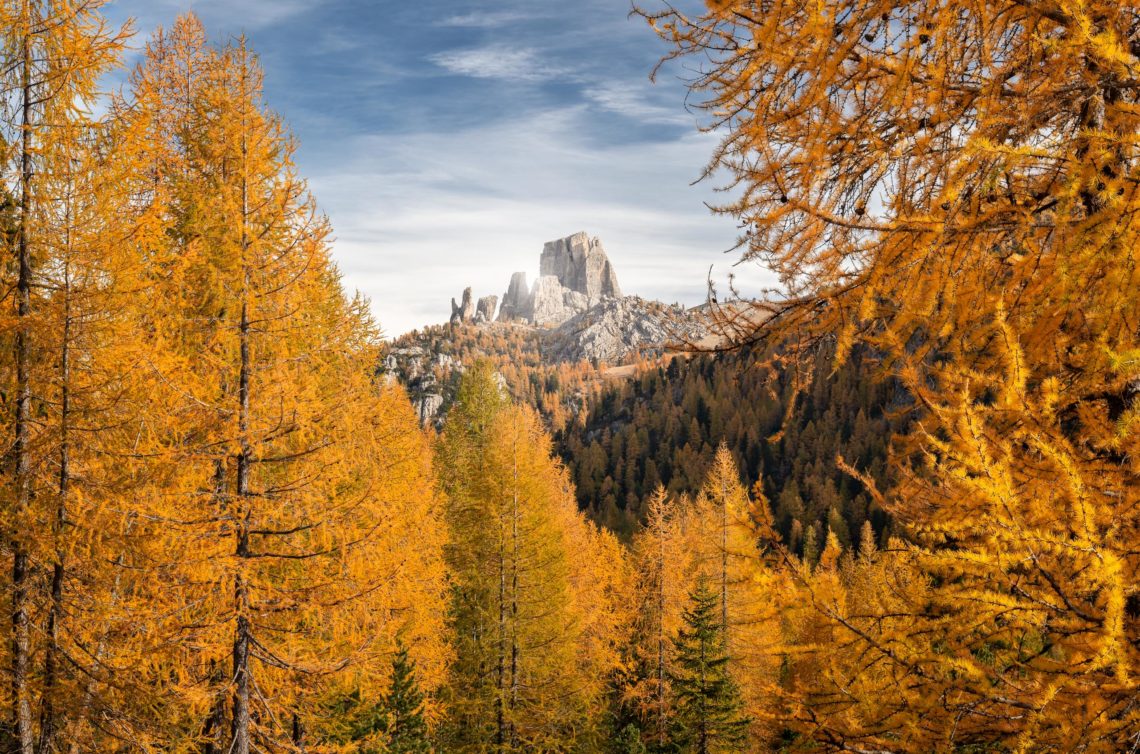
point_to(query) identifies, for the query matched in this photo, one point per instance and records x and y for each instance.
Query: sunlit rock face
(553, 303)
(580, 264)
(619, 328)
(485, 309)
(574, 275)
(516, 301)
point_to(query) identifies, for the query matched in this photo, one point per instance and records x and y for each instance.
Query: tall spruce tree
(407, 731)
(707, 704)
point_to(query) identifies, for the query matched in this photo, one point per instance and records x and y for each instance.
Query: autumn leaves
(954, 187)
(218, 520)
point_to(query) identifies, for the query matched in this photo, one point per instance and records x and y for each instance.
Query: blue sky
(447, 140)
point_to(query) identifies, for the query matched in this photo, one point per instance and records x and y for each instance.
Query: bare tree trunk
(243, 633)
(213, 730)
(298, 734)
(21, 640)
(48, 722)
(214, 727)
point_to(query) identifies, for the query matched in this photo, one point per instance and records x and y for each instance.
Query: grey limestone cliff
(516, 301)
(580, 264)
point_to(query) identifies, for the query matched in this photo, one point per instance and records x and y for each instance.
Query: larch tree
(730, 531)
(667, 564)
(88, 402)
(536, 618)
(53, 54)
(300, 523)
(954, 185)
(603, 597)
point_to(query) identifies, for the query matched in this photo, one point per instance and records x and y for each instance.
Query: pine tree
(405, 728)
(707, 714)
(628, 741)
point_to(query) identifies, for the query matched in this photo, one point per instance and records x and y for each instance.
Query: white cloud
(420, 217)
(484, 20)
(629, 99)
(497, 62)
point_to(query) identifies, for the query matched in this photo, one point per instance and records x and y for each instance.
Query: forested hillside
(663, 425)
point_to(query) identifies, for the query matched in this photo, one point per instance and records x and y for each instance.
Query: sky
(447, 140)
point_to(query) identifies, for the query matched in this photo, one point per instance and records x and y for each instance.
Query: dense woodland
(901, 518)
(663, 427)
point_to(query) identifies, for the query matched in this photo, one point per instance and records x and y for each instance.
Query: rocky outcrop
(580, 264)
(485, 309)
(428, 407)
(617, 329)
(575, 274)
(464, 311)
(517, 302)
(553, 304)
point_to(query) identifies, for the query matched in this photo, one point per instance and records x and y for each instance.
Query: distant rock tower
(464, 311)
(516, 301)
(580, 264)
(574, 275)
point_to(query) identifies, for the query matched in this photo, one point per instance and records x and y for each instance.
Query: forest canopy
(899, 517)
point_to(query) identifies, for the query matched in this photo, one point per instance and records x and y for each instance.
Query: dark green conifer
(406, 730)
(707, 714)
(629, 741)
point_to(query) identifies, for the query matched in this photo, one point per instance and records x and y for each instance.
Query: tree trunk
(241, 668)
(243, 633)
(213, 731)
(48, 723)
(22, 712)
(298, 734)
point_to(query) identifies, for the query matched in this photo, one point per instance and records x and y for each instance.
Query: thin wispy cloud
(498, 62)
(490, 20)
(629, 99)
(250, 15)
(493, 194)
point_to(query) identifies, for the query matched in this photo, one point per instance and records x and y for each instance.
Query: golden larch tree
(954, 185)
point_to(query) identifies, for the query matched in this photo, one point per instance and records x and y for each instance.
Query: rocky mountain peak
(574, 312)
(574, 275)
(581, 265)
(464, 311)
(517, 301)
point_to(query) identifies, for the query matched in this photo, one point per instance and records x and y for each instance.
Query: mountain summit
(574, 313)
(577, 308)
(574, 275)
